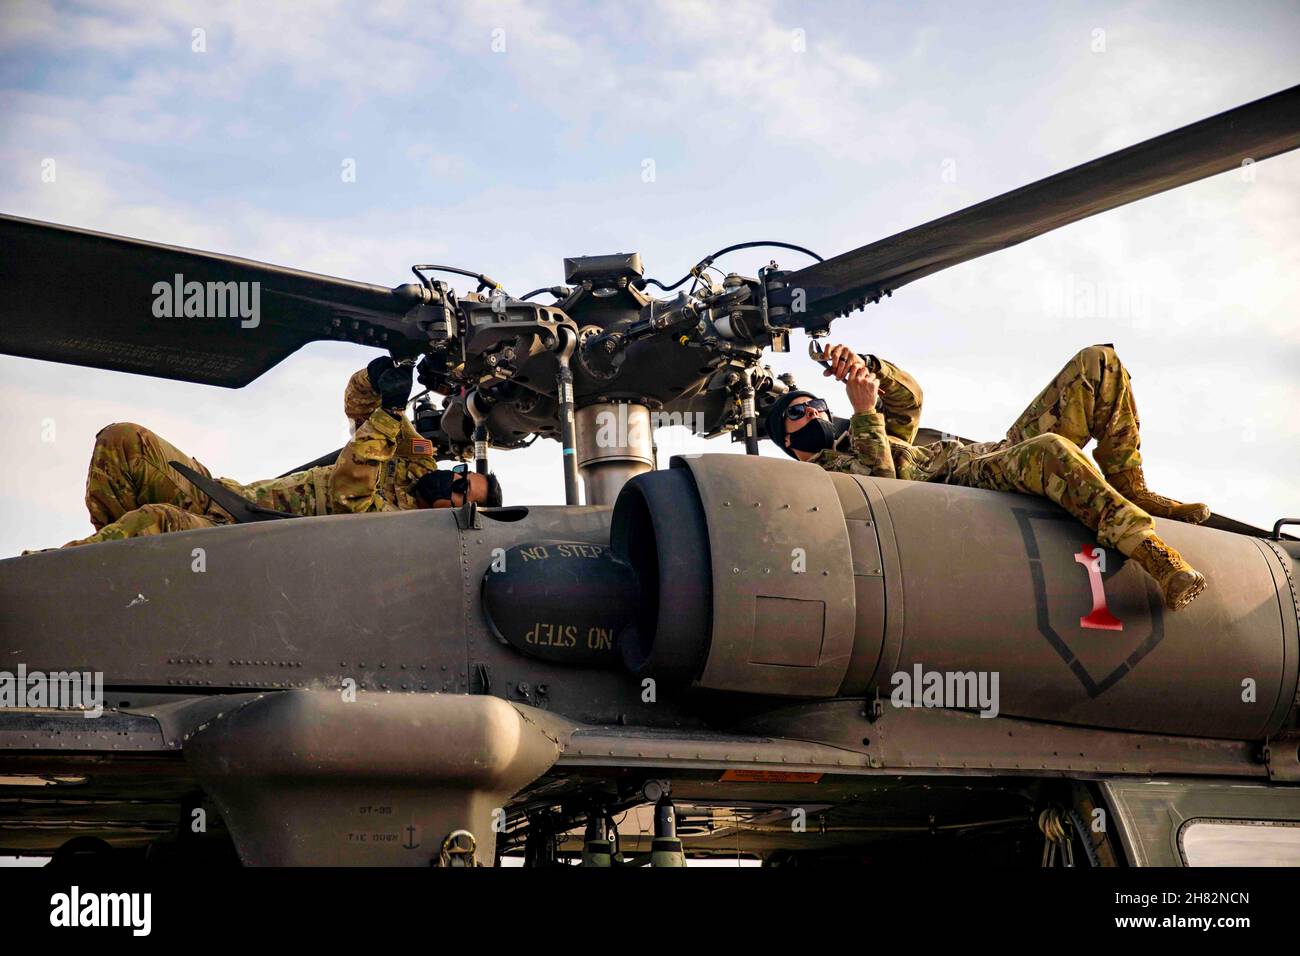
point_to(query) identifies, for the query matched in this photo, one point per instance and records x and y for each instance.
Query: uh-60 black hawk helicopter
(648, 681)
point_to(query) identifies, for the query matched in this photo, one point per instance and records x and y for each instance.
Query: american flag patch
(411, 447)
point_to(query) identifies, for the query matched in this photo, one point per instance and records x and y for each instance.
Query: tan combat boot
(1133, 486)
(1179, 581)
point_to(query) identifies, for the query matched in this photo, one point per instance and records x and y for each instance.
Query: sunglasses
(798, 412)
(459, 484)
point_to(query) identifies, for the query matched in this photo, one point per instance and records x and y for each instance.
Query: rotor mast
(615, 444)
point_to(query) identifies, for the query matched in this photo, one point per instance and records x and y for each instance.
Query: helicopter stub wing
(1255, 131)
(94, 299)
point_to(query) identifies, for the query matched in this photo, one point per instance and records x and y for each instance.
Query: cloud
(436, 163)
(114, 29)
(745, 66)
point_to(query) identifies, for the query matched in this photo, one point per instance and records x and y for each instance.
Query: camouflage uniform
(131, 490)
(1042, 454)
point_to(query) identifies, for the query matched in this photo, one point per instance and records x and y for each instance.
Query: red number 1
(1099, 617)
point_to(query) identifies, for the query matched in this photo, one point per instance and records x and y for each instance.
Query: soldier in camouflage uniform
(1091, 398)
(131, 490)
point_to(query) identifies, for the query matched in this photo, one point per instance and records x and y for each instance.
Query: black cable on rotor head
(484, 282)
(709, 260)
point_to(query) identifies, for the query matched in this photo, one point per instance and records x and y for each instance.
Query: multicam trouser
(1090, 398)
(131, 489)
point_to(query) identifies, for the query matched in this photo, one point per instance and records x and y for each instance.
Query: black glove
(393, 382)
(377, 368)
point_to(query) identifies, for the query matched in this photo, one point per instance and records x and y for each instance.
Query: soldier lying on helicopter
(1042, 454)
(388, 465)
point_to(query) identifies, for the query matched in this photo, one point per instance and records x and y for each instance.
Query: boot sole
(1199, 516)
(1184, 596)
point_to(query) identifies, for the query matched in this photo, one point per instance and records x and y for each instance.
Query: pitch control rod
(564, 347)
(478, 407)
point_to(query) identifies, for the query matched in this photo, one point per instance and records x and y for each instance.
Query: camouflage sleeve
(359, 399)
(355, 481)
(901, 397)
(871, 444)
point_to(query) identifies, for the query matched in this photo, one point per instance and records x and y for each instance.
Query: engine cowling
(768, 576)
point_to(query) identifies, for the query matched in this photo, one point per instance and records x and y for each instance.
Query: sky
(504, 136)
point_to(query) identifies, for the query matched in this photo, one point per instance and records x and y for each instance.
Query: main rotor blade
(89, 298)
(1256, 131)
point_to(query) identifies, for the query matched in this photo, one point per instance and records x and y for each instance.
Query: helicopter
(690, 662)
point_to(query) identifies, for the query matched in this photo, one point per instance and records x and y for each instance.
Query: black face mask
(439, 485)
(821, 434)
(817, 435)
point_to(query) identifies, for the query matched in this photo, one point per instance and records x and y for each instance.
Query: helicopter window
(1239, 843)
